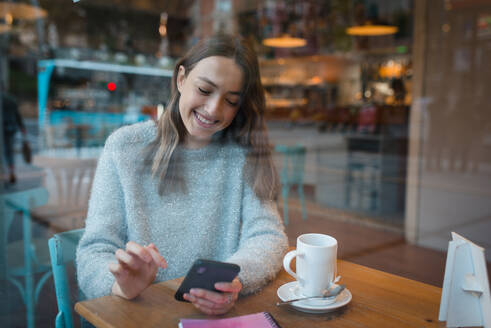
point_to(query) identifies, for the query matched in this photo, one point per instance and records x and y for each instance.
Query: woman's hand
(214, 303)
(136, 269)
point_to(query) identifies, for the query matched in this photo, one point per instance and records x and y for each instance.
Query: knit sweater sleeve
(262, 243)
(105, 229)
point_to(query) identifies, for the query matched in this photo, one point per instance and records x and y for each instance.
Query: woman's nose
(214, 106)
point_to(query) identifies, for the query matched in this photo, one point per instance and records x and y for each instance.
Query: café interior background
(396, 126)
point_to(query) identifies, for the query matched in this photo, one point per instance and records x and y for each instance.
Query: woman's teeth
(202, 119)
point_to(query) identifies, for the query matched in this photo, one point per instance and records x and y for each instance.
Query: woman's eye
(203, 91)
(233, 103)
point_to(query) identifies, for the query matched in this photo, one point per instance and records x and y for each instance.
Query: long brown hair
(248, 128)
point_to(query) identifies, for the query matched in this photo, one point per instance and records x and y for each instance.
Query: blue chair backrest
(293, 168)
(62, 248)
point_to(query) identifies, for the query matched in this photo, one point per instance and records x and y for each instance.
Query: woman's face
(210, 96)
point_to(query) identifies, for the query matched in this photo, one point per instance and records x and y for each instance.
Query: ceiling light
(21, 11)
(371, 30)
(285, 41)
(9, 19)
(163, 24)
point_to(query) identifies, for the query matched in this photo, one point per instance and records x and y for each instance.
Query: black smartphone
(204, 274)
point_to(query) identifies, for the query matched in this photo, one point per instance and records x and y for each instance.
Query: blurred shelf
(107, 67)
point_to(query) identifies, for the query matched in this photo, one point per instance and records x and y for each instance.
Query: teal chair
(292, 174)
(21, 261)
(62, 247)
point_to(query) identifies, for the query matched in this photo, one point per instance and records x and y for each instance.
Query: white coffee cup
(316, 263)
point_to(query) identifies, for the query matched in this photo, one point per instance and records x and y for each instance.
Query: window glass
(387, 99)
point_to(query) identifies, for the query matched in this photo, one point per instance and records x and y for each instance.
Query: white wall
(449, 181)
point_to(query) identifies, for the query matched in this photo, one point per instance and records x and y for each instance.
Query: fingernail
(189, 298)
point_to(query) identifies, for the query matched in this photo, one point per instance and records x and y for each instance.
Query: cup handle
(286, 263)
(336, 278)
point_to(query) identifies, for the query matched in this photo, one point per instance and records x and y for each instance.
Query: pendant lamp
(21, 11)
(371, 30)
(285, 41)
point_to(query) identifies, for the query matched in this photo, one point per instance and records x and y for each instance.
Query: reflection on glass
(395, 127)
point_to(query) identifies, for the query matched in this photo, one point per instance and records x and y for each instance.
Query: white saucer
(291, 290)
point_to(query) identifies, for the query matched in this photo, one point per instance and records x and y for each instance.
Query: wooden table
(379, 300)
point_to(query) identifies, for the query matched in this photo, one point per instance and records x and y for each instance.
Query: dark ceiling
(176, 8)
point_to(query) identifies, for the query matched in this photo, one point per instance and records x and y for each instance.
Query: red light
(111, 86)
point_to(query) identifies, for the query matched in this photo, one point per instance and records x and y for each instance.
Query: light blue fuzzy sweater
(218, 217)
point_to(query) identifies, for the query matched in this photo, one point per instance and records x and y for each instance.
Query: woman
(198, 184)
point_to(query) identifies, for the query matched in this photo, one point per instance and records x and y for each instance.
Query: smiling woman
(200, 183)
(217, 77)
(209, 100)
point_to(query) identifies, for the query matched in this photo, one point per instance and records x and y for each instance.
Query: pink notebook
(256, 320)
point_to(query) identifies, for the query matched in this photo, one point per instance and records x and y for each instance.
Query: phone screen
(204, 274)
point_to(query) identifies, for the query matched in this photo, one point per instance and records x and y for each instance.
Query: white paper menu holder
(465, 299)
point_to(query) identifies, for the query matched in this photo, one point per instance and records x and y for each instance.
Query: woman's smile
(203, 121)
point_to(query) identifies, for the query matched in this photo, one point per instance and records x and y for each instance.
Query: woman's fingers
(202, 301)
(157, 258)
(138, 260)
(214, 303)
(231, 287)
(212, 300)
(135, 269)
(207, 306)
(118, 271)
(209, 295)
(135, 257)
(146, 254)
(139, 251)
(128, 259)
